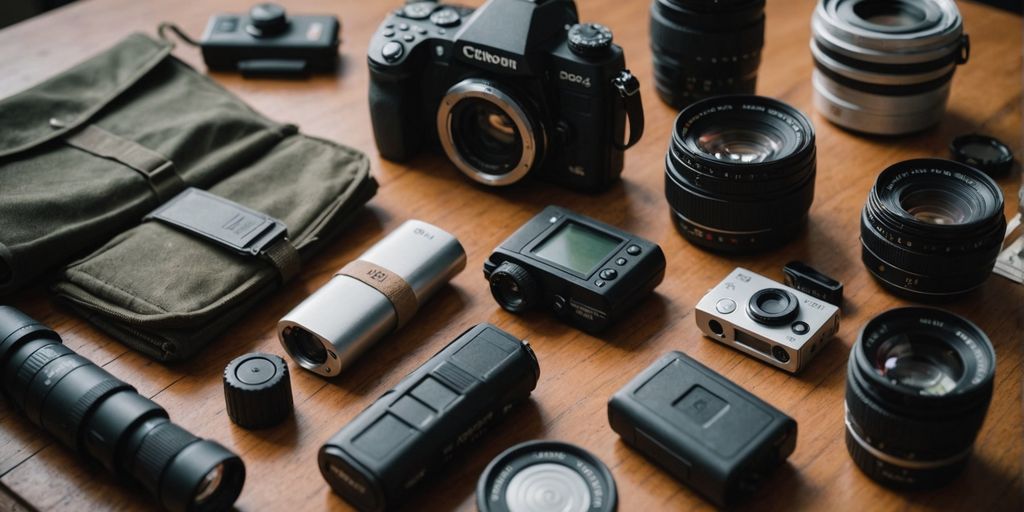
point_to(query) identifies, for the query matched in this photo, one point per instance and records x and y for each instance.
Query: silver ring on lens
(885, 66)
(472, 88)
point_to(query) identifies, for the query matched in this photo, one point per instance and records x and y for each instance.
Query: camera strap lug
(629, 92)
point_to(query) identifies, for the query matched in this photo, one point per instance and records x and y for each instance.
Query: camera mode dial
(589, 39)
(267, 20)
(514, 288)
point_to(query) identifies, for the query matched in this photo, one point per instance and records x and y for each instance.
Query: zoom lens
(932, 228)
(703, 49)
(487, 133)
(739, 174)
(918, 385)
(514, 288)
(97, 415)
(885, 66)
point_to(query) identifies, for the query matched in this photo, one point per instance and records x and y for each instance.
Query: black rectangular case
(700, 427)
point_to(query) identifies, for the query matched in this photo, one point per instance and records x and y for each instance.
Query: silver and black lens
(918, 385)
(703, 49)
(739, 174)
(488, 133)
(885, 66)
(105, 419)
(932, 228)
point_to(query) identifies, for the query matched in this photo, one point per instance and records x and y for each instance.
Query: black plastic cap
(257, 390)
(987, 154)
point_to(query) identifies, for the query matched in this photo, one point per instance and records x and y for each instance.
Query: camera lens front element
(918, 386)
(514, 288)
(773, 306)
(489, 135)
(304, 346)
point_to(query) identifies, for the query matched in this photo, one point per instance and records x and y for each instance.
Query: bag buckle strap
(159, 172)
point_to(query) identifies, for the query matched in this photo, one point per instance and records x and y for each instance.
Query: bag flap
(62, 103)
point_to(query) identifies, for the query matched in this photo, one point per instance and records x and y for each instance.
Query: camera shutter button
(267, 20)
(392, 51)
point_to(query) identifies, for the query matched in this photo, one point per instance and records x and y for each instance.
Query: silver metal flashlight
(370, 297)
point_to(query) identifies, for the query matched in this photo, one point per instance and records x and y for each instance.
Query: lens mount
(739, 173)
(932, 227)
(489, 135)
(919, 382)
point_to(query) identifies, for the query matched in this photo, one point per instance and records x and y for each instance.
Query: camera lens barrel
(885, 66)
(703, 49)
(91, 411)
(919, 382)
(932, 228)
(739, 173)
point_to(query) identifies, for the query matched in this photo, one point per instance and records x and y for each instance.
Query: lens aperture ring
(881, 467)
(945, 257)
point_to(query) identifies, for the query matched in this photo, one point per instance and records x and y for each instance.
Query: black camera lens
(488, 134)
(918, 386)
(739, 174)
(94, 413)
(704, 49)
(932, 229)
(773, 306)
(514, 288)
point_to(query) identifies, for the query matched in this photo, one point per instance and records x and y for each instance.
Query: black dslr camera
(511, 87)
(586, 272)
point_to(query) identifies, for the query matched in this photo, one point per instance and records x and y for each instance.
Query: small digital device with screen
(584, 271)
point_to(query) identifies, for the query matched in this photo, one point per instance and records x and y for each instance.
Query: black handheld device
(420, 424)
(103, 418)
(703, 429)
(586, 272)
(266, 41)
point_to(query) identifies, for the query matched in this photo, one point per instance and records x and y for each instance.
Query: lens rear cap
(542, 476)
(987, 154)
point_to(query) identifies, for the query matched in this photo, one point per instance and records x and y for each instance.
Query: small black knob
(590, 39)
(257, 390)
(267, 20)
(514, 288)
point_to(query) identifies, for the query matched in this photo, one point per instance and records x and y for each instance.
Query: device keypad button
(392, 51)
(421, 31)
(409, 38)
(725, 306)
(389, 33)
(608, 274)
(800, 328)
(621, 262)
(403, 26)
(559, 304)
(599, 283)
(633, 250)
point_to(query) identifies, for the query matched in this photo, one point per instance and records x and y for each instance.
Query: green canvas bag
(87, 158)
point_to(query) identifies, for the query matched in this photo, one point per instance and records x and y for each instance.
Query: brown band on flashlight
(397, 291)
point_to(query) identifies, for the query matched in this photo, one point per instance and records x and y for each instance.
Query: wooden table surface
(578, 372)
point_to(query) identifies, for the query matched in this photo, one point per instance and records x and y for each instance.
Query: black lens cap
(987, 154)
(546, 475)
(257, 390)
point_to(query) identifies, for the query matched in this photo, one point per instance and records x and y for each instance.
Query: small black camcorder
(268, 42)
(513, 87)
(586, 272)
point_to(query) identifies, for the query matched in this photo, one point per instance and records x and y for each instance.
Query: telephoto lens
(739, 173)
(703, 49)
(931, 229)
(103, 418)
(918, 385)
(885, 67)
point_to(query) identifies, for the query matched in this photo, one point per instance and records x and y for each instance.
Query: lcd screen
(577, 248)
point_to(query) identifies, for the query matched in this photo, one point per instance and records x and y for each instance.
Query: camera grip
(396, 117)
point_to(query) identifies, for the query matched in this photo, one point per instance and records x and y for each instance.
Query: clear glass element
(740, 145)
(209, 485)
(936, 206)
(927, 365)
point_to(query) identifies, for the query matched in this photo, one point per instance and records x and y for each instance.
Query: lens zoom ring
(890, 474)
(86, 402)
(952, 263)
(35, 362)
(158, 449)
(731, 214)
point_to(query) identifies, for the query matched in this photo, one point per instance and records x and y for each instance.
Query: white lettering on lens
(340, 473)
(485, 56)
(574, 78)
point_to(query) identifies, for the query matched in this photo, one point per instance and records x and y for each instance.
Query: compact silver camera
(768, 320)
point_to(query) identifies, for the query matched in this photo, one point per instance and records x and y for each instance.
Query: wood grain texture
(578, 372)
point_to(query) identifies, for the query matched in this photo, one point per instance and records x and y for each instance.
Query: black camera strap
(629, 92)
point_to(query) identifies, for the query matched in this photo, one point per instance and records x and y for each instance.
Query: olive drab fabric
(87, 154)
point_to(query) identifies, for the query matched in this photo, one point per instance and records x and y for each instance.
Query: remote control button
(800, 328)
(403, 26)
(725, 306)
(419, 10)
(608, 274)
(621, 261)
(446, 17)
(589, 39)
(633, 250)
(389, 33)
(409, 38)
(392, 51)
